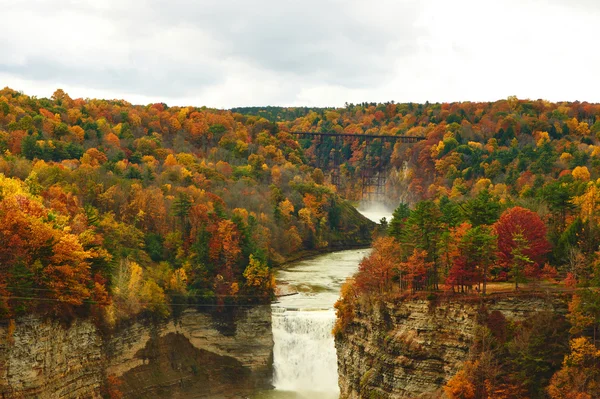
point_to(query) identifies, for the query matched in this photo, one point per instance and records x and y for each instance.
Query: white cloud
(227, 53)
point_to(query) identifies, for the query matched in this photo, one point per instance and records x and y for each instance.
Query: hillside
(112, 209)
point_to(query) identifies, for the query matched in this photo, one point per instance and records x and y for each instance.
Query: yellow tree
(588, 203)
(459, 387)
(579, 377)
(581, 173)
(259, 281)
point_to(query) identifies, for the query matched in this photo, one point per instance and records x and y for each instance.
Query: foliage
(579, 377)
(511, 360)
(375, 272)
(521, 241)
(115, 209)
(260, 281)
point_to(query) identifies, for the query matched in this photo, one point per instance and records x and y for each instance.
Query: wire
(24, 298)
(187, 296)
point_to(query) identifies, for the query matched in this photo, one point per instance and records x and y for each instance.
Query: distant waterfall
(304, 357)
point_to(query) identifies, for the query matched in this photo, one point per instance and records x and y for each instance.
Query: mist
(375, 210)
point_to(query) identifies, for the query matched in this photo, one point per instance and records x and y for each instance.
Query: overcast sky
(227, 53)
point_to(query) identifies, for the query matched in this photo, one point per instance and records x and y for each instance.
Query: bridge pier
(372, 176)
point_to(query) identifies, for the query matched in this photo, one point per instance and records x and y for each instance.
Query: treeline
(278, 114)
(460, 245)
(112, 209)
(449, 247)
(516, 145)
(464, 244)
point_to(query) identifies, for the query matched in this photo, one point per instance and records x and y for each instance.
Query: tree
(398, 222)
(536, 351)
(459, 387)
(559, 197)
(451, 214)
(484, 242)
(520, 260)
(375, 272)
(413, 272)
(423, 231)
(579, 377)
(450, 247)
(181, 209)
(475, 252)
(260, 282)
(522, 229)
(317, 176)
(484, 209)
(584, 312)
(581, 173)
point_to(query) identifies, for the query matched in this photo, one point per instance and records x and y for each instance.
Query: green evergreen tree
(398, 222)
(520, 259)
(484, 209)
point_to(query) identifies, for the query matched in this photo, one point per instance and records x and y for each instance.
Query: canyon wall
(194, 355)
(410, 349)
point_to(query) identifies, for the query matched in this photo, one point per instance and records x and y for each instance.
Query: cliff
(196, 355)
(412, 348)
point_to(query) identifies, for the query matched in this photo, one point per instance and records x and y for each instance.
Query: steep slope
(412, 348)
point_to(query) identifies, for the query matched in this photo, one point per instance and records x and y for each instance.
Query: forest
(502, 198)
(111, 210)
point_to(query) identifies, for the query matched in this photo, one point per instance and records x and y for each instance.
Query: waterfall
(304, 357)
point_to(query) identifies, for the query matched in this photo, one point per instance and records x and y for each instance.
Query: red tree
(415, 270)
(520, 220)
(375, 272)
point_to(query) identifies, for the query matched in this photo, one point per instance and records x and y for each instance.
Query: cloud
(343, 42)
(228, 53)
(178, 48)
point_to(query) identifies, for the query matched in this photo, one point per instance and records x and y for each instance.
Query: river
(304, 357)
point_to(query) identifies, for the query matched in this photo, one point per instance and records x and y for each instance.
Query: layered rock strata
(412, 348)
(195, 355)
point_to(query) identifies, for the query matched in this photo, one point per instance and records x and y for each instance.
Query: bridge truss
(373, 178)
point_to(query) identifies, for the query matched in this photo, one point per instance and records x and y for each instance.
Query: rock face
(47, 360)
(195, 355)
(411, 349)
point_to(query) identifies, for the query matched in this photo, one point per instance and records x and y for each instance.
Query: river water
(304, 357)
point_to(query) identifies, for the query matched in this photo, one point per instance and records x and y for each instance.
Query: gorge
(194, 355)
(247, 351)
(411, 349)
(163, 250)
(281, 351)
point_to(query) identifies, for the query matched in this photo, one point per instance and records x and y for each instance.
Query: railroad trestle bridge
(373, 180)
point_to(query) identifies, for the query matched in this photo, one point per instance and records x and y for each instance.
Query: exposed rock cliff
(46, 360)
(195, 355)
(411, 349)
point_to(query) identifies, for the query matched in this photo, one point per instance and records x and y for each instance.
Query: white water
(304, 357)
(375, 211)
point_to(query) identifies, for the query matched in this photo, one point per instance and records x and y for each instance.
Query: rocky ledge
(195, 355)
(410, 349)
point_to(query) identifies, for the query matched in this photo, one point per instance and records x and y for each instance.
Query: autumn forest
(110, 210)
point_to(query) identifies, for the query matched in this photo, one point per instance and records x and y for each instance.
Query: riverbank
(407, 348)
(356, 230)
(313, 253)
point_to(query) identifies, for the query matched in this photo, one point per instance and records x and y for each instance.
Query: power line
(88, 301)
(185, 295)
